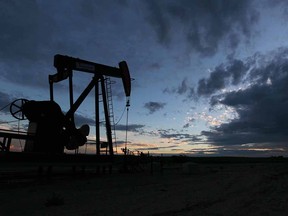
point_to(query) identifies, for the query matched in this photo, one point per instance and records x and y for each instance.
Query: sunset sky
(210, 77)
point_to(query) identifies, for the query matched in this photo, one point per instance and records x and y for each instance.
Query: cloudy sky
(210, 77)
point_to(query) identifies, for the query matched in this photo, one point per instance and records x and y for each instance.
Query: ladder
(108, 84)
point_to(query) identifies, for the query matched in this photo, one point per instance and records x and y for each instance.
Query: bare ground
(227, 189)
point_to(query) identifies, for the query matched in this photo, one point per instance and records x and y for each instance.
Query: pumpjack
(51, 129)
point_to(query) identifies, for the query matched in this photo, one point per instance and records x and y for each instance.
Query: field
(170, 186)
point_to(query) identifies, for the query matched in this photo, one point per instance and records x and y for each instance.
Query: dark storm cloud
(159, 20)
(189, 123)
(31, 28)
(32, 32)
(262, 107)
(203, 23)
(153, 107)
(130, 127)
(177, 136)
(221, 76)
(22, 26)
(183, 89)
(230, 73)
(26, 37)
(147, 149)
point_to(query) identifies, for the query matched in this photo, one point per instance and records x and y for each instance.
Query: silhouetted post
(71, 95)
(97, 118)
(51, 89)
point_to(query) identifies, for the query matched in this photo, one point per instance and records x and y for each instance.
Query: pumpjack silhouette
(51, 130)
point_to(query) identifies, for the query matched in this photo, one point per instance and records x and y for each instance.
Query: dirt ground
(227, 189)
